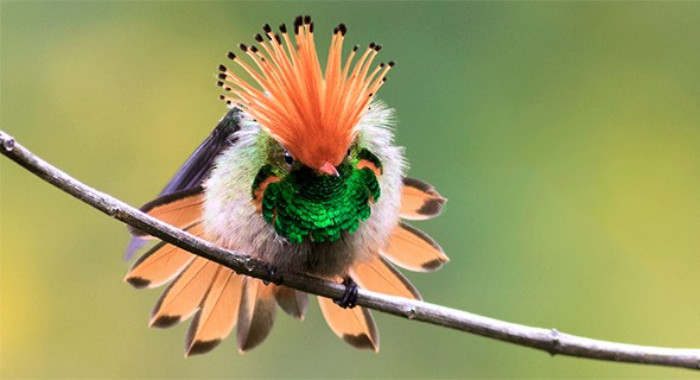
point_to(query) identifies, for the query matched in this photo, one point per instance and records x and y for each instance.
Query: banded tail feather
(380, 276)
(355, 326)
(218, 313)
(420, 200)
(413, 249)
(257, 313)
(161, 263)
(184, 295)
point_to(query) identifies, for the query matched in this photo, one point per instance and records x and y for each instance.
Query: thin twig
(549, 340)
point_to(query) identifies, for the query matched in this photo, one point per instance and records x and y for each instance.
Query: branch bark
(549, 340)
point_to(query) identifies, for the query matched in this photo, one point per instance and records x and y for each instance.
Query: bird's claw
(349, 299)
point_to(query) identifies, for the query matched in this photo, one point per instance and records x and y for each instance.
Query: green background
(564, 134)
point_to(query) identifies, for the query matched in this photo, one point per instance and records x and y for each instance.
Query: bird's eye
(288, 158)
(347, 154)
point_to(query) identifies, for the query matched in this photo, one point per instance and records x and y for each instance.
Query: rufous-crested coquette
(301, 174)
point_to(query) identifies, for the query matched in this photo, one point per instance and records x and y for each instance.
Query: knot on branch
(410, 312)
(7, 141)
(556, 342)
(115, 211)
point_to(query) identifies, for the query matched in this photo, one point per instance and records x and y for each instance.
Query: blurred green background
(565, 135)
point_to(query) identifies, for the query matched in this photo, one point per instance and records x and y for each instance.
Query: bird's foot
(349, 299)
(273, 276)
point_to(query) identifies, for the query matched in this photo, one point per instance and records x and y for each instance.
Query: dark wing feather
(195, 170)
(197, 167)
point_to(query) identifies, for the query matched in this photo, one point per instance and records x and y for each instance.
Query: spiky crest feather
(313, 114)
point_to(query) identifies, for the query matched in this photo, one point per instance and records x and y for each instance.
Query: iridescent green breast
(304, 204)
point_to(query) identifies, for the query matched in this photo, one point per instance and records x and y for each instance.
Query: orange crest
(313, 114)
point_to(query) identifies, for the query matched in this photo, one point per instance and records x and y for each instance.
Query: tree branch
(549, 340)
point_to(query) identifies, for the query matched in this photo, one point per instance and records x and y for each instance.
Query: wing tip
(436, 264)
(292, 302)
(250, 341)
(201, 347)
(164, 321)
(255, 324)
(137, 282)
(432, 207)
(247, 343)
(361, 341)
(432, 201)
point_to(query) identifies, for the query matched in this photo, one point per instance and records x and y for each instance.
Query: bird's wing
(197, 167)
(187, 181)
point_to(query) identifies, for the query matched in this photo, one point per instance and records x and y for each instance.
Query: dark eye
(347, 154)
(288, 158)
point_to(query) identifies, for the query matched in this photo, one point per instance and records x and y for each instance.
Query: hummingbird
(302, 174)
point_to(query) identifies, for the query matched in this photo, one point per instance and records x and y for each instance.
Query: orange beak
(328, 169)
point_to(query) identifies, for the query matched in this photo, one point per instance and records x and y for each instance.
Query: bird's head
(318, 182)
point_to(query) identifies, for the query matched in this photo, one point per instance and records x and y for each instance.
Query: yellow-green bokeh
(565, 135)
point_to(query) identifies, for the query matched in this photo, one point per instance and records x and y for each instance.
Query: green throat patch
(305, 204)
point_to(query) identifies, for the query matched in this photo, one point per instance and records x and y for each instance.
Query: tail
(409, 248)
(218, 298)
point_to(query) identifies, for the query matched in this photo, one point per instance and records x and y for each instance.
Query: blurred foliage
(565, 135)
